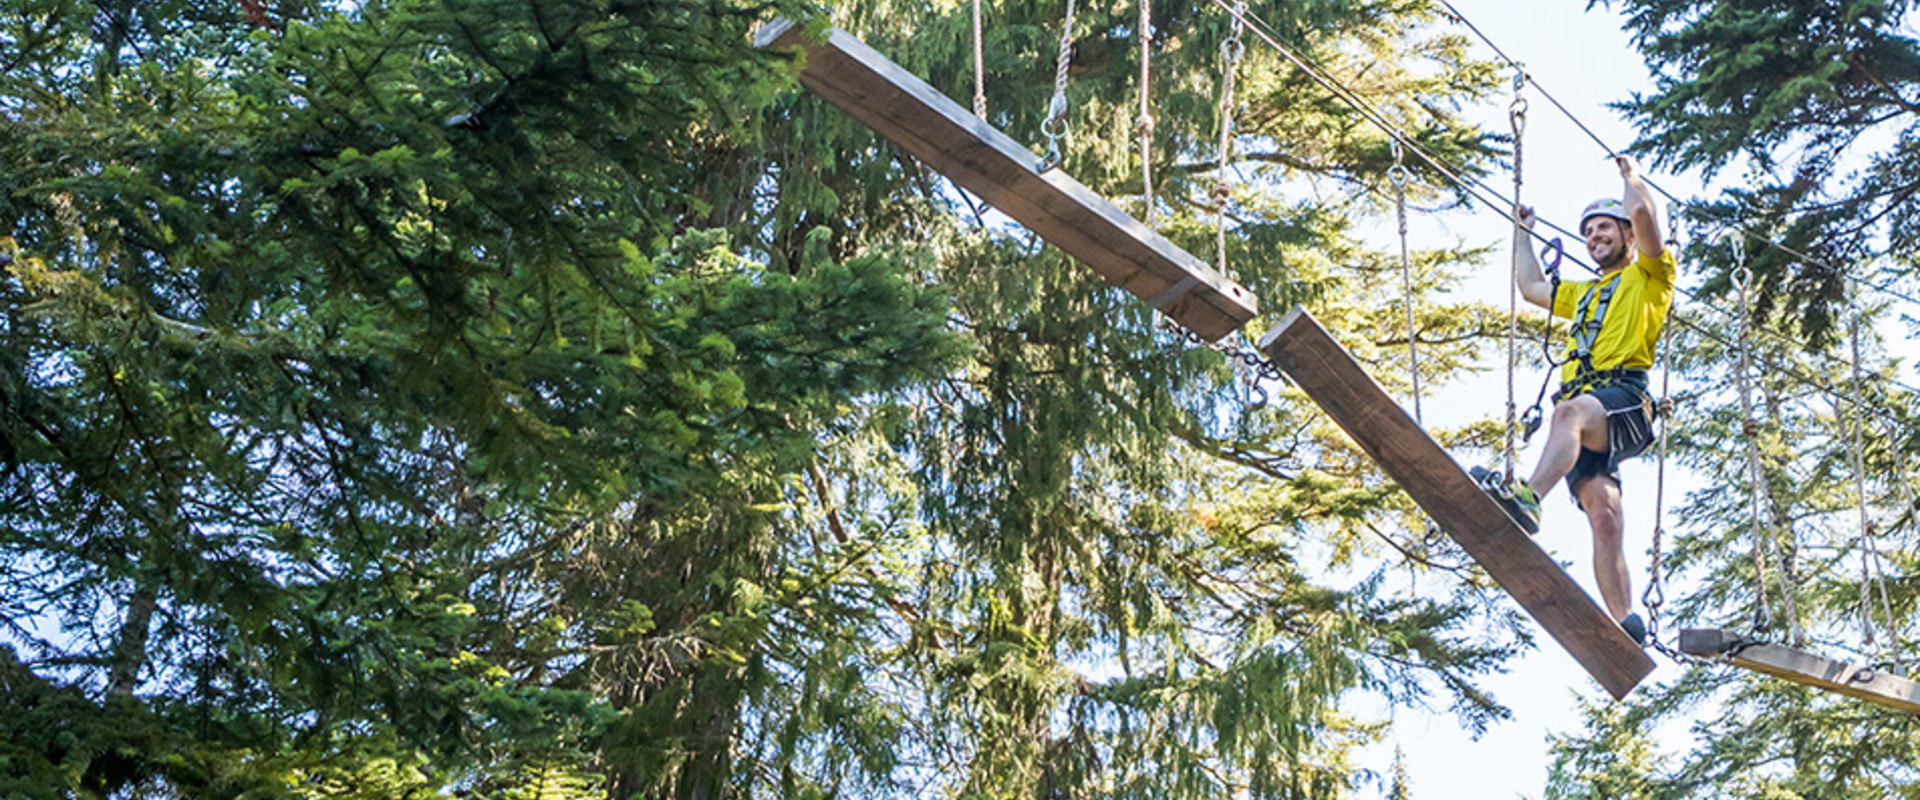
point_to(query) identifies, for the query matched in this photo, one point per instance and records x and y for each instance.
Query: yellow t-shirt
(1634, 315)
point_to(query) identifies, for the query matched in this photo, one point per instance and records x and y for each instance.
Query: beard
(1613, 260)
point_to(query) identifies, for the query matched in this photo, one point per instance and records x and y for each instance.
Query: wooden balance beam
(1328, 373)
(936, 130)
(1786, 663)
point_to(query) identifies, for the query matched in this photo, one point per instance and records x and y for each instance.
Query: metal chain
(979, 66)
(1742, 281)
(1517, 116)
(1055, 126)
(1143, 124)
(1398, 175)
(1232, 49)
(1259, 368)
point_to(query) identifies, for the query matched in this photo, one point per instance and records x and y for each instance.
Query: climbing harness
(1398, 175)
(1055, 126)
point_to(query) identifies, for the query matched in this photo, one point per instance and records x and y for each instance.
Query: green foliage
(532, 399)
(1813, 96)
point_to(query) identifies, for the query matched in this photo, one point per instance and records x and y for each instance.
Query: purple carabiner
(1557, 250)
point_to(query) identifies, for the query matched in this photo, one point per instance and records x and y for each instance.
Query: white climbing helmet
(1604, 207)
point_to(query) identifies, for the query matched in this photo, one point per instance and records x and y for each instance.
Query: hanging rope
(1742, 280)
(1517, 116)
(1873, 547)
(1055, 127)
(1872, 573)
(979, 66)
(1655, 595)
(1398, 175)
(1231, 50)
(1143, 124)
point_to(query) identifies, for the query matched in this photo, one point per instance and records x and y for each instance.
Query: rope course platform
(1856, 681)
(946, 137)
(1333, 379)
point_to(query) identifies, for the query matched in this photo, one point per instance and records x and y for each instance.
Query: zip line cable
(1477, 190)
(1455, 14)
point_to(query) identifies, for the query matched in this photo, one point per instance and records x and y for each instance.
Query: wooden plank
(1856, 681)
(1328, 373)
(936, 130)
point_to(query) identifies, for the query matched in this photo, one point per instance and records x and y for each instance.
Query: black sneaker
(1635, 628)
(1514, 496)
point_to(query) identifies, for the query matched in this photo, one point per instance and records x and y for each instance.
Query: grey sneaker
(1514, 496)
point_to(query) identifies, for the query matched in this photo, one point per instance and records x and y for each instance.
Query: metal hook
(1558, 251)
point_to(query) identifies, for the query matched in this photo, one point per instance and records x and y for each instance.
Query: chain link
(1258, 367)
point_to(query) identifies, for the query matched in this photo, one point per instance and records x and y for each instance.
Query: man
(1602, 414)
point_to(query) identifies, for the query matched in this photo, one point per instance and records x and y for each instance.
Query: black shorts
(1629, 431)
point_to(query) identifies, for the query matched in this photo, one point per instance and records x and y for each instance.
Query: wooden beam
(1328, 373)
(936, 130)
(1856, 681)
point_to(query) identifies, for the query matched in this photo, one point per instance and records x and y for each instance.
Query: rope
(1872, 573)
(1742, 280)
(1860, 480)
(1143, 124)
(1398, 175)
(1231, 50)
(1655, 595)
(979, 66)
(1055, 126)
(1873, 547)
(1517, 116)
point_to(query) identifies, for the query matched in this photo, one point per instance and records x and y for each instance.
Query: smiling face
(1609, 239)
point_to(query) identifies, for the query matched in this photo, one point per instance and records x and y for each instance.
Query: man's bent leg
(1578, 422)
(1600, 496)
